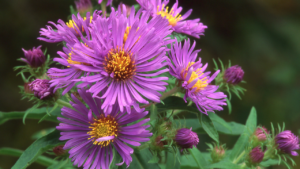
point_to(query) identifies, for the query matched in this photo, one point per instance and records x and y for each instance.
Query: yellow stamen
(128, 28)
(72, 24)
(70, 61)
(169, 15)
(120, 62)
(103, 127)
(201, 83)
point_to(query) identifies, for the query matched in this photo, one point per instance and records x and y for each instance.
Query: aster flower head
(35, 57)
(193, 78)
(218, 153)
(70, 31)
(179, 23)
(41, 88)
(287, 142)
(83, 6)
(186, 138)
(92, 134)
(121, 59)
(234, 74)
(256, 155)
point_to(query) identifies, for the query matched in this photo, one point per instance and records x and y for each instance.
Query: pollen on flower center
(120, 63)
(72, 24)
(103, 127)
(169, 15)
(70, 61)
(201, 83)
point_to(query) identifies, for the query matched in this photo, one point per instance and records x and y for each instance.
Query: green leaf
(269, 162)
(225, 163)
(63, 164)
(34, 114)
(45, 161)
(216, 119)
(172, 160)
(42, 133)
(37, 148)
(140, 160)
(209, 127)
(229, 105)
(198, 158)
(241, 143)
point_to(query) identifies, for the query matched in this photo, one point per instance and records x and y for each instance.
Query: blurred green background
(262, 36)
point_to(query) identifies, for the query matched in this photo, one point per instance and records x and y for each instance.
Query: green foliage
(209, 127)
(241, 143)
(37, 113)
(37, 148)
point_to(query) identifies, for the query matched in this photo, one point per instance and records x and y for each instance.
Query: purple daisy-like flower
(41, 88)
(256, 155)
(123, 57)
(193, 78)
(186, 138)
(70, 31)
(179, 23)
(234, 74)
(287, 142)
(92, 134)
(35, 57)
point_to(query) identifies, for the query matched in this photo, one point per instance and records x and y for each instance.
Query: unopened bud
(35, 57)
(234, 74)
(186, 138)
(59, 150)
(256, 155)
(41, 88)
(83, 6)
(287, 142)
(217, 153)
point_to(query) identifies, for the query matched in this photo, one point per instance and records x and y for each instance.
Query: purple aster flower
(179, 23)
(35, 57)
(92, 134)
(41, 88)
(234, 74)
(122, 59)
(83, 6)
(287, 142)
(193, 78)
(109, 2)
(186, 138)
(256, 155)
(70, 31)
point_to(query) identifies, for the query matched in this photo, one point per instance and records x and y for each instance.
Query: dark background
(262, 36)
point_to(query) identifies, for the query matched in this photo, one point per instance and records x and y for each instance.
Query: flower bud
(83, 6)
(234, 74)
(260, 134)
(287, 142)
(186, 138)
(217, 153)
(35, 57)
(41, 88)
(59, 150)
(256, 155)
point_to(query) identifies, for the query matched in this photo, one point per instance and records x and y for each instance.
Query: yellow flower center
(128, 28)
(70, 61)
(103, 127)
(72, 24)
(201, 83)
(120, 63)
(169, 15)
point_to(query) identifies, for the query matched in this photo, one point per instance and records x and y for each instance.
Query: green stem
(103, 7)
(45, 161)
(63, 103)
(239, 157)
(4, 117)
(164, 95)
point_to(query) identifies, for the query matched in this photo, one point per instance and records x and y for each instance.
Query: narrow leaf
(209, 127)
